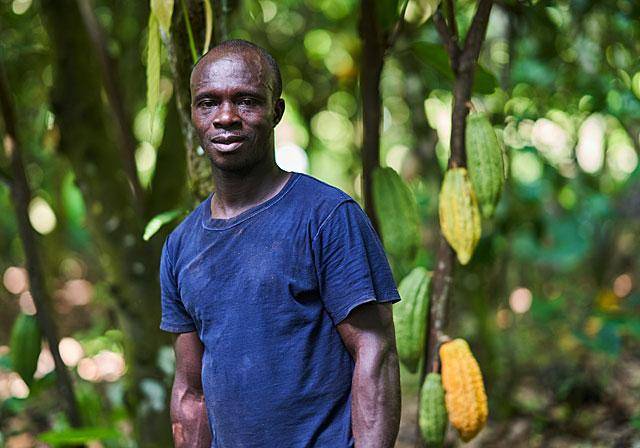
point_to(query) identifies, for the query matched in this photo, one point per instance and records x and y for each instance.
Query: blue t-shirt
(265, 291)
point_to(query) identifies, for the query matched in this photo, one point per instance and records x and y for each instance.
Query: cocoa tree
(463, 59)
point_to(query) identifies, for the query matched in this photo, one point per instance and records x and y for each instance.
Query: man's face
(233, 109)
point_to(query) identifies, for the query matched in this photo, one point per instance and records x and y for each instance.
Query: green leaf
(153, 68)
(387, 13)
(635, 84)
(25, 346)
(163, 10)
(435, 57)
(78, 435)
(208, 28)
(419, 11)
(158, 221)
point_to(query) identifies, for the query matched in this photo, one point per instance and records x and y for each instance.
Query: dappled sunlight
(70, 351)
(591, 144)
(291, 157)
(45, 364)
(41, 216)
(15, 279)
(27, 306)
(520, 300)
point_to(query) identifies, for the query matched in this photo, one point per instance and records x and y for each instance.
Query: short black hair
(235, 44)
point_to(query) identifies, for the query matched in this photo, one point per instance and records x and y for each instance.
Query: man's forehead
(241, 65)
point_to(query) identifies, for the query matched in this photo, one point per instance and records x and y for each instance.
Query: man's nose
(226, 116)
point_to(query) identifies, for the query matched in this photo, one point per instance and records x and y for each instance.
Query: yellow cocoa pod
(459, 213)
(465, 397)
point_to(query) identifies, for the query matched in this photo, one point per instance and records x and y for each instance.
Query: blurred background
(549, 303)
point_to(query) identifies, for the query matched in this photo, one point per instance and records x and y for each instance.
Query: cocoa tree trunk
(463, 62)
(371, 63)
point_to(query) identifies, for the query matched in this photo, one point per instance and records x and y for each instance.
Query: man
(276, 285)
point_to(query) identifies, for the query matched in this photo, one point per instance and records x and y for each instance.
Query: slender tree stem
(21, 196)
(187, 24)
(451, 13)
(125, 136)
(398, 29)
(224, 19)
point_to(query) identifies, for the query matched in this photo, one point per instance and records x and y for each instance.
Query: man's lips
(227, 143)
(226, 139)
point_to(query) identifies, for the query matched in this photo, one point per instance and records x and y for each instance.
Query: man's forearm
(375, 395)
(189, 422)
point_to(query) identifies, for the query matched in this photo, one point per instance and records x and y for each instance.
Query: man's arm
(368, 334)
(189, 422)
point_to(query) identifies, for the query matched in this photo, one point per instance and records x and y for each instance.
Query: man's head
(235, 104)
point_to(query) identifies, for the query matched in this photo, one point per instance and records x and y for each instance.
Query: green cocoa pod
(433, 413)
(484, 162)
(25, 347)
(410, 317)
(459, 213)
(397, 213)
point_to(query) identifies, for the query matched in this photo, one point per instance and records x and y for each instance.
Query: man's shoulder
(317, 197)
(319, 193)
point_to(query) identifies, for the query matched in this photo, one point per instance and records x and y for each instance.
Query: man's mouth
(227, 142)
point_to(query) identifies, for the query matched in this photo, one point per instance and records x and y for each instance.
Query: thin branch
(21, 196)
(475, 36)
(224, 19)
(449, 40)
(126, 139)
(451, 13)
(399, 27)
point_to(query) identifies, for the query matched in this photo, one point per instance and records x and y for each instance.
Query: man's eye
(247, 102)
(207, 103)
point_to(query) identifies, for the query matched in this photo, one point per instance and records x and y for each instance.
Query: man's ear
(278, 110)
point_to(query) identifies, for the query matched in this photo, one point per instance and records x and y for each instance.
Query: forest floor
(604, 422)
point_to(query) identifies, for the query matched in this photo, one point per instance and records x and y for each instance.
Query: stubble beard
(245, 163)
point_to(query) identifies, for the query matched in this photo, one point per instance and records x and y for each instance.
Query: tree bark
(21, 196)
(371, 63)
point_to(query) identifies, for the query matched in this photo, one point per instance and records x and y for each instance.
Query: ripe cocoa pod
(459, 213)
(410, 317)
(433, 413)
(465, 397)
(484, 162)
(397, 212)
(25, 346)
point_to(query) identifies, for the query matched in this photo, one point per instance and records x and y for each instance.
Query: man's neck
(237, 192)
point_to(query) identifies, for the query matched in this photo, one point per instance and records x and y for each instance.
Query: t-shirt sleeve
(351, 265)
(175, 318)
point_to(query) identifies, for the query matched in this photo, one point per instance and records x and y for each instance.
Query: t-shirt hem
(177, 328)
(369, 297)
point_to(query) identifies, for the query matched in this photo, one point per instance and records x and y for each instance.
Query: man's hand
(368, 334)
(189, 422)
